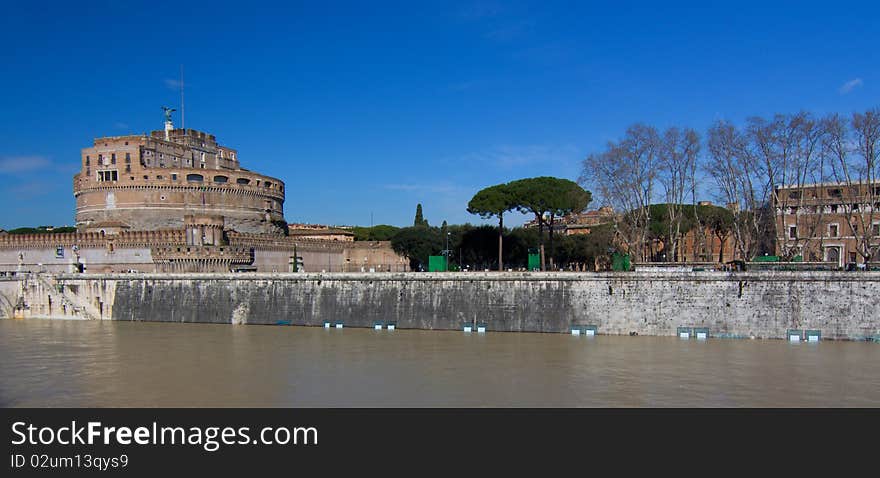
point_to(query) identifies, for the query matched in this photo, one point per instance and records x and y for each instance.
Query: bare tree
(798, 145)
(854, 148)
(740, 183)
(677, 154)
(623, 177)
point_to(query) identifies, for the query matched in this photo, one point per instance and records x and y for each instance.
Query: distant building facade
(578, 223)
(829, 222)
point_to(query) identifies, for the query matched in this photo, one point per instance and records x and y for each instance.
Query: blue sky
(370, 107)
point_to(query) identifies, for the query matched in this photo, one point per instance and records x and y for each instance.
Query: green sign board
(620, 262)
(437, 264)
(766, 259)
(534, 262)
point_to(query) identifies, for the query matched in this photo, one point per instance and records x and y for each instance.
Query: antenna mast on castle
(182, 109)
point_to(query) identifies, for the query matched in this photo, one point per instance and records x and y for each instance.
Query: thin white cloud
(20, 164)
(428, 188)
(851, 85)
(509, 31)
(33, 188)
(173, 84)
(479, 10)
(510, 157)
(463, 85)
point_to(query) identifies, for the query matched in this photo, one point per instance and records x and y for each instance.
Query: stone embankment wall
(10, 290)
(757, 304)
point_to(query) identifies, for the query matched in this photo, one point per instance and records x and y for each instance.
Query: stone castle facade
(146, 183)
(177, 201)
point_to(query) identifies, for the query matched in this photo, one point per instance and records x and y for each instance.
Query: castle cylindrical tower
(150, 183)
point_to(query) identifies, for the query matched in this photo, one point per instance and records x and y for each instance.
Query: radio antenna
(182, 108)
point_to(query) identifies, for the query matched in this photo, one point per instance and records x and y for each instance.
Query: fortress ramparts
(177, 201)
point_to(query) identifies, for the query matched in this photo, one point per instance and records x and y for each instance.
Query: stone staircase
(40, 289)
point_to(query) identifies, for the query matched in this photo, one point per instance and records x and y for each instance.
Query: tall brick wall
(762, 304)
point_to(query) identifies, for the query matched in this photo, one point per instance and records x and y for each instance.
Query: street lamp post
(447, 251)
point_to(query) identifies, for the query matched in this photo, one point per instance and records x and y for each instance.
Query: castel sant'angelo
(177, 201)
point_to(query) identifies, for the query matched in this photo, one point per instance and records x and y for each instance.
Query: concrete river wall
(841, 305)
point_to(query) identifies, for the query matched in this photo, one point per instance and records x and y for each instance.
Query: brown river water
(60, 363)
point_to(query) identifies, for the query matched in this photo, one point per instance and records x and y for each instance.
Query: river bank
(839, 305)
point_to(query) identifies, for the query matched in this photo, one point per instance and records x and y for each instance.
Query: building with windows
(176, 201)
(829, 222)
(150, 182)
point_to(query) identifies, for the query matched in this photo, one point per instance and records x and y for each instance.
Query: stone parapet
(840, 305)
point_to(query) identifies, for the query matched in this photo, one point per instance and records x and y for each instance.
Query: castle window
(792, 232)
(88, 160)
(834, 208)
(876, 229)
(146, 177)
(833, 230)
(196, 178)
(127, 157)
(794, 195)
(113, 158)
(104, 176)
(159, 177)
(174, 176)
(126, 143)
(100, 159)
(127, 168)
(835, 193)
(267, 184)
(220, 179)
(243, 181)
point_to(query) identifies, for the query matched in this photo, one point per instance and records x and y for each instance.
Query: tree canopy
(492, 201)
(417, 243)
(381, 232)
(419, 219)
(547, 195)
